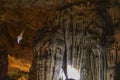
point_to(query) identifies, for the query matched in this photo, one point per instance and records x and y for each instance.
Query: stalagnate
(48, 55)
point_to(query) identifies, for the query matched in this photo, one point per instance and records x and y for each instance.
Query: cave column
(48, 51)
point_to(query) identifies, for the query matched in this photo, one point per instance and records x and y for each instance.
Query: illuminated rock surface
(99, 18)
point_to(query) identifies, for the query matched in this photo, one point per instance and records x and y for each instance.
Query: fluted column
(48, 49)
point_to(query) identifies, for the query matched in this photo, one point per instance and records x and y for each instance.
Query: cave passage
(80, 41)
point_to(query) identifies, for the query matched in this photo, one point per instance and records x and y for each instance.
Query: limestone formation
(83, 47)
(48, 55)
(3, 63)
(80, 34)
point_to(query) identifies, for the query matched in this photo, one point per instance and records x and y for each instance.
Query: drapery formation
(80, 38)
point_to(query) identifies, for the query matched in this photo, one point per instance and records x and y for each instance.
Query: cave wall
(102, 21)
(3, 63)
(90, 46)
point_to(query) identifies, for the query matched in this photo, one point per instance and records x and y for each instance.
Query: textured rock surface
(3, 63)
(30, 15)
(12, 23)
(48, 55)
(87, 31)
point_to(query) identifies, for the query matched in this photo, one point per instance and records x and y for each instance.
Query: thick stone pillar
(48, 51)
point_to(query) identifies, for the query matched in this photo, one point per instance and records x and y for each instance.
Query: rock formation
(80, 34)
(86, 31)
(3, 63)
(48, 55)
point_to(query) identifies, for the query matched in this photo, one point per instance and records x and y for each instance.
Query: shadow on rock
(117, 71)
